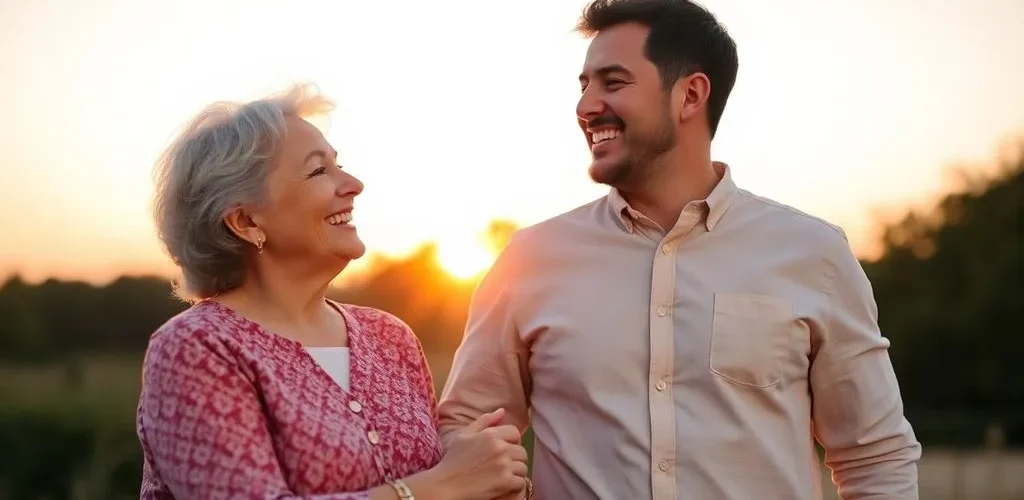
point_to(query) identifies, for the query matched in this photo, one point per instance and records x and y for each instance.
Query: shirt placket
(373, 437)
(662, 413)
(662, 367)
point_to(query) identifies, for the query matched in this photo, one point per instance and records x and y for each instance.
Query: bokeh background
(900, 120)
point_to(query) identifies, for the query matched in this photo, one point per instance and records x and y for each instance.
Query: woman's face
(308, 215)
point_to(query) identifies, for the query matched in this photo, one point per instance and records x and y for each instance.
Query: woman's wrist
(430, 485)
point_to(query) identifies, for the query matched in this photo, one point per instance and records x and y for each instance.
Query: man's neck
(681, 176)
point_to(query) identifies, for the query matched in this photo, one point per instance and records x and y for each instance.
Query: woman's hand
(483, 461)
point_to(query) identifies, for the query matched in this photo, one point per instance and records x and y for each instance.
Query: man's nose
(590, 105)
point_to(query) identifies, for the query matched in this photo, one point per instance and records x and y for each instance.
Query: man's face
(624, 113)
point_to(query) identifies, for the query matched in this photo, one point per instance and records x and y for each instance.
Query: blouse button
(373, 437)
(355, 406)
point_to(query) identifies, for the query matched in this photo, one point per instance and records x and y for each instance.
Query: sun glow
(465, 258)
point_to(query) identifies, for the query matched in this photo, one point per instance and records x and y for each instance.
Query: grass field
(103, 383)
(69, 427)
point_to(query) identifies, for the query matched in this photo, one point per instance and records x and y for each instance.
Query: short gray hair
(218, 162)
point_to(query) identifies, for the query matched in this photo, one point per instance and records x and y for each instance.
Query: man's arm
(857, 408)
(490, 366)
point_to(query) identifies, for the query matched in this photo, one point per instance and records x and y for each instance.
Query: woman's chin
(350, 250)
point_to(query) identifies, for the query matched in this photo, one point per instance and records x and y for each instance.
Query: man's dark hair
(684, 38)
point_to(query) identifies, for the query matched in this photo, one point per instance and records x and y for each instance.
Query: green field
(67, 430)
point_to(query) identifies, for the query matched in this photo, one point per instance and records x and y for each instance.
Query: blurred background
(900, 120)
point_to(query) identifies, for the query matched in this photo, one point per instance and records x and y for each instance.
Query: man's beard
(641, 153)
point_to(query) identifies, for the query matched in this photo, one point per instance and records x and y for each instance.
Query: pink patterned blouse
(229, 410)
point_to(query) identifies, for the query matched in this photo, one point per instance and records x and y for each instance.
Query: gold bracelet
(404, 493)
(529, 489)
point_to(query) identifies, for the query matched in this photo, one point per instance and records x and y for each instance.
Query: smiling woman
(254, 208)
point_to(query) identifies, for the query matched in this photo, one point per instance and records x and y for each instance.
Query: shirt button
(373, 437)
(661, 385)
(355, 406)
(662, 311)
(663, 465)
(666, 249)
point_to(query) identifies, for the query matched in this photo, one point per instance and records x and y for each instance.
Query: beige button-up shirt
(697, 363)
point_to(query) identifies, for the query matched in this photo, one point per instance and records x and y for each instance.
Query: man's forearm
(883, 469)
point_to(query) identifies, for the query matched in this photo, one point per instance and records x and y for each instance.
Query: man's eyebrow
(604, 71)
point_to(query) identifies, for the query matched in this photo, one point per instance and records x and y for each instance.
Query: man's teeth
(604, 135)
(342, 218)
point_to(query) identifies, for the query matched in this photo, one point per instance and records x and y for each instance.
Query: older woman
(264, 388)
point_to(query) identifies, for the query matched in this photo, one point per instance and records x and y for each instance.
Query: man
(680, 338)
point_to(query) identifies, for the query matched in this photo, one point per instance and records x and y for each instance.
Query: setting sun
(465, 258)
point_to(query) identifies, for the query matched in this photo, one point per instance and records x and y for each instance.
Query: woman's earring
(259, 244)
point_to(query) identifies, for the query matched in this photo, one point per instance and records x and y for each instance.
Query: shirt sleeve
(202, 425)
(490, 368)
(869, 445)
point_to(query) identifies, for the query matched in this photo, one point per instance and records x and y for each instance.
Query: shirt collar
(715, 205)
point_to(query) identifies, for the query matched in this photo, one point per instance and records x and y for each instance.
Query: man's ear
(692, 94)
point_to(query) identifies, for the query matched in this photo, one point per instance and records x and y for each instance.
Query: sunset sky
(457, 112)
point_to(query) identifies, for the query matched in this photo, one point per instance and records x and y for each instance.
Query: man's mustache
(604, 120)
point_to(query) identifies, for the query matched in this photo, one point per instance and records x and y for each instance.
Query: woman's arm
(419, 372)
(206, 432)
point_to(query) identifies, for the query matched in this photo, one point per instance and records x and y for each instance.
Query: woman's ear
(242, 225)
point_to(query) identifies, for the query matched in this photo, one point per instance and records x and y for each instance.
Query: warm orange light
(464, 258)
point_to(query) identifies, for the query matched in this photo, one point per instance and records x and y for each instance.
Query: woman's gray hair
(218, 162)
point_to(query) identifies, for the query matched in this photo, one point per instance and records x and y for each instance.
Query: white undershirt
(334, 361)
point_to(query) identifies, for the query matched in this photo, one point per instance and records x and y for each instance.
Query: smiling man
(681, 337)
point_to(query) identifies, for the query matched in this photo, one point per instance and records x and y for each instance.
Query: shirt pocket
(749, 339)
